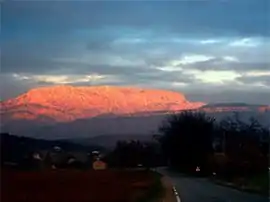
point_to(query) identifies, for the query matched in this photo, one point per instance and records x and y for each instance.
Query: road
(191, 189)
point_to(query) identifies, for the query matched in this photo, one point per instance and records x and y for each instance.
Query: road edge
(169, 186)
(239, 188)
(178, 199)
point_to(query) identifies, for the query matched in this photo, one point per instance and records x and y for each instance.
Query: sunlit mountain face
(68, 103)
(70, 112)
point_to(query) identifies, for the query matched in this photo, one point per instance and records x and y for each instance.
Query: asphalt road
(191, 189)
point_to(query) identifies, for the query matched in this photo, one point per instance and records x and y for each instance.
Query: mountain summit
(68, 103)
(73, 112)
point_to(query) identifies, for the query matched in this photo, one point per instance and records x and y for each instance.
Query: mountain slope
(67, 103)
(73, 112)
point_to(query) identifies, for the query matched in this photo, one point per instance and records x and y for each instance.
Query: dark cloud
(249, 96)
(222, 64)
(101, 42)
(25, 63)
(246, 17)
(30, 56)
(242, 66)
(98, 45)
(11, 87)
(264, 79)
(156, 76)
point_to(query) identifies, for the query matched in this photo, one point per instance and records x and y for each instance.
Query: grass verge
(257, 184)
(156, 191)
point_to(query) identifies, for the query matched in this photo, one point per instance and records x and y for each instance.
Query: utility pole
(224, 142)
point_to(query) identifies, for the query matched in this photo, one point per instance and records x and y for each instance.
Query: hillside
(62, 112)
(68, 103)
(109, 141)
(16, 149)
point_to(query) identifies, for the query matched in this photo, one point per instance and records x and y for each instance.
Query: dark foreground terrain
(74, 186)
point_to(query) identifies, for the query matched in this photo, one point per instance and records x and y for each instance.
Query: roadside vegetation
(228, 151)
(136, 155)
(155, 192)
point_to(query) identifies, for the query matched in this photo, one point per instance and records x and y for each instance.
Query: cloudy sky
(213, 51)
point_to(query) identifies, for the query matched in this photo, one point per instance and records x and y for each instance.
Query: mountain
(68, 103)
(62, 112)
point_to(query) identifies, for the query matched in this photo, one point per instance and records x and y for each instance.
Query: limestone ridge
(73, 112)
(68, 103)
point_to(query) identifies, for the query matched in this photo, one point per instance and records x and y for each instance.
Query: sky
(212, 51)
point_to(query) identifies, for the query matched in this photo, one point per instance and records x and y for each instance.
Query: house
(99, 165)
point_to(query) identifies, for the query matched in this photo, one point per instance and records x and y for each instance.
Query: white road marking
(176, 195)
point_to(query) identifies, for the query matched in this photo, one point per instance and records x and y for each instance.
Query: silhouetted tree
(243, 146)
(187, 140)
(246, 145)
(133, 153)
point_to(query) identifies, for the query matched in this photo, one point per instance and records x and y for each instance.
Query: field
(75, 186)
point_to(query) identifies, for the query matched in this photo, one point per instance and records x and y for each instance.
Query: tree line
(134, 153)
(191, 140)
(227, 148)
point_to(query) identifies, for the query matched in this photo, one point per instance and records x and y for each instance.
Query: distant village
(21, 153)
(56, 158)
